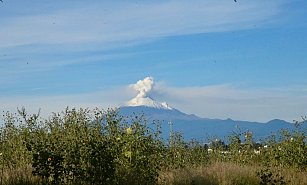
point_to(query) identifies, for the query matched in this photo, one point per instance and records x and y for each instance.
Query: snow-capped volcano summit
(148, 102)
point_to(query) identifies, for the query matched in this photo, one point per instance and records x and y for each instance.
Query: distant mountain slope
(203, 128)
(208, 128)
(157, 113)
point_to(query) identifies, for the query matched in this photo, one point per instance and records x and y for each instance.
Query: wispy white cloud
(104, 99)
(54, 38)
(218, 101)
(226, 101)
(29, 63)
(121, 22)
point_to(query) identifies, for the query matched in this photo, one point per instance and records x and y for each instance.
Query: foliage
(100, 147)
(96, 146)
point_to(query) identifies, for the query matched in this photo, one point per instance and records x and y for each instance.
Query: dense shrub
(100, 147)
(96, 146)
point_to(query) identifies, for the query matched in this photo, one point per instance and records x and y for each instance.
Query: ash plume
(143, 87)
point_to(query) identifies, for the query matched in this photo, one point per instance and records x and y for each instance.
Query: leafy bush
(100, 147)
(96, 146)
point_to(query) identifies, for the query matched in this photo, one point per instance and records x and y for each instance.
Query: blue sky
(217, 59)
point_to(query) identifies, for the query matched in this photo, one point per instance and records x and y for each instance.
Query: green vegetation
(100, 147)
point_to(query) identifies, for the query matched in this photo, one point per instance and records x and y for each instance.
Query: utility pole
(171, 133)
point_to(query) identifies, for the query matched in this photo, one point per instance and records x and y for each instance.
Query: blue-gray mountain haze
(205, 129)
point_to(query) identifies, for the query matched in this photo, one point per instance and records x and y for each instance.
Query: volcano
(191, 125)
(194, 127)
(155, 110)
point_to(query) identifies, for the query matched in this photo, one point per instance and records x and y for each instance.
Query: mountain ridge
(203, 128)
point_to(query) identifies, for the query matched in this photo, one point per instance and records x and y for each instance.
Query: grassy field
(211, 174)
(100, 147)
(229, 174)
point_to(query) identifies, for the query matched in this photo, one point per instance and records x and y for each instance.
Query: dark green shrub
(267, 177)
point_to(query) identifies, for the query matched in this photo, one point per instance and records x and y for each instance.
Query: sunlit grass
(219, 173)
(227, 173)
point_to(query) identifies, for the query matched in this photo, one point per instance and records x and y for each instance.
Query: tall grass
(228, 173)
(215, 173)
(219, 173)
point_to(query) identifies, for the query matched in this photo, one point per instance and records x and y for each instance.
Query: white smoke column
(143, 87)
